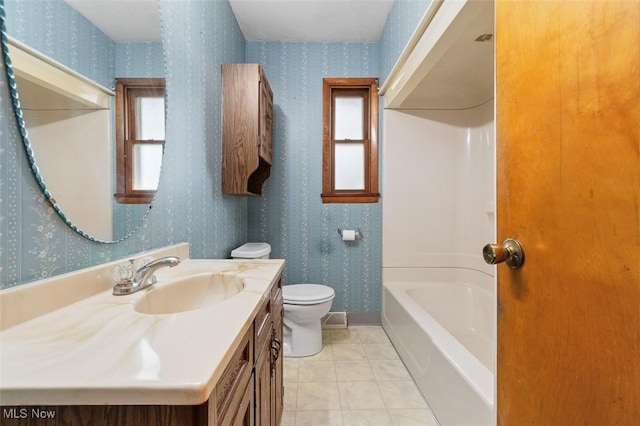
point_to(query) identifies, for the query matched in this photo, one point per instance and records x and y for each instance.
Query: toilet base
(304, 306)
(302, 339)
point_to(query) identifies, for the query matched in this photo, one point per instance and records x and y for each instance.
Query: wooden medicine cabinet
(247, 129)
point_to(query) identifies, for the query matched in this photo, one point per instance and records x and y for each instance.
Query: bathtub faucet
(144, 276)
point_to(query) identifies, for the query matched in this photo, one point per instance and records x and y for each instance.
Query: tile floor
(357, 379)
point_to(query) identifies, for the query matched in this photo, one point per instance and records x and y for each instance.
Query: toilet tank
(252, 251)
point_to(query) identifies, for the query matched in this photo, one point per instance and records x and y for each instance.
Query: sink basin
(190, 293)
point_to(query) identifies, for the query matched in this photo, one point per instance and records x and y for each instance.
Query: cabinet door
(277, 368)
(277, 364)
(263, 387)
(266, 120)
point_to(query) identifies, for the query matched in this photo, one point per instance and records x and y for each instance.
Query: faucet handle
(123, 273)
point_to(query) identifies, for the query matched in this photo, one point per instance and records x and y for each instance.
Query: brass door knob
(509, 252)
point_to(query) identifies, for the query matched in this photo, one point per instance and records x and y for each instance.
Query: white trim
(437, 33)
(411, 44)
(32, 65)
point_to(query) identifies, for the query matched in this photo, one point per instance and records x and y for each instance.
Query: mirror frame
(17, 110)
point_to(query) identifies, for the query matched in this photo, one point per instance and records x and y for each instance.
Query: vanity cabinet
(261, 402)
(247, 129)
(268, 368)
(248, 393)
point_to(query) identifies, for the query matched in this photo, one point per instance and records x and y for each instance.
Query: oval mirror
(65, 59)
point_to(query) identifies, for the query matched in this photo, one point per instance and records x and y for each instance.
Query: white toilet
(304, 307)
(252, 251)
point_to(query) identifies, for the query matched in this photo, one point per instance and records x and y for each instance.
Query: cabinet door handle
(276, 346)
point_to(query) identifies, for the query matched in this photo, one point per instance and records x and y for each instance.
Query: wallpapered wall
(53, 28)
(198, 37)
(291, 215)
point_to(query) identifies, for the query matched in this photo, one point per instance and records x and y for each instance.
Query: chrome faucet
(144, 276)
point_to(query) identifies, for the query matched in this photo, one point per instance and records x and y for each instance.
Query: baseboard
(364, 318)
(334, 320)
(343, 319)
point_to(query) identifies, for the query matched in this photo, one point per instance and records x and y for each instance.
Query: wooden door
(568, 176)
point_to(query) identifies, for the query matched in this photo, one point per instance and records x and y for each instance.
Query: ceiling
(312, 20)
(259, 20)
(123, 20)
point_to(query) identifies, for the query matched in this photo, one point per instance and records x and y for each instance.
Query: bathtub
(442, 323)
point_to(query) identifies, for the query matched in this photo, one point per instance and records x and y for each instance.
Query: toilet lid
(306, 294)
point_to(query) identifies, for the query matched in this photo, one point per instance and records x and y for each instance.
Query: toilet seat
(306, 294)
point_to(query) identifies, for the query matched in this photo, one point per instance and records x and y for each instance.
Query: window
(139, 138)
(350, 140)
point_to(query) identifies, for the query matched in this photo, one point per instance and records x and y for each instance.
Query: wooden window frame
(127, 91)
(369, 88)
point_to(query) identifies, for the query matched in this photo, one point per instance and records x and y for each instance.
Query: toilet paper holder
(357, 231)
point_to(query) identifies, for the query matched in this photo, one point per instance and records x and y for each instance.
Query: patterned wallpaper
(290, 215)
(53, 28)
(198, 36)
(34, 243)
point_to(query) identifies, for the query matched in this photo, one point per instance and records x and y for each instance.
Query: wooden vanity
(241, 385)
(249, 392)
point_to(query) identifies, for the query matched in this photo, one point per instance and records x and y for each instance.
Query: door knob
(509, 252)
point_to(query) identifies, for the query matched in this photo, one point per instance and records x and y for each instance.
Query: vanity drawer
(276, 293)
(262, 325)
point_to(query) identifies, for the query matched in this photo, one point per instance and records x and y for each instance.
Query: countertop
(99, 350)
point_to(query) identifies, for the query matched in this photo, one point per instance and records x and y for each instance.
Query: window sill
(144, 198)
(350, 198)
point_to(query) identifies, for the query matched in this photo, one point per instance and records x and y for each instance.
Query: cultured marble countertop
(100, 350)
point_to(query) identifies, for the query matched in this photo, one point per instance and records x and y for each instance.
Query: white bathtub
(442, 322)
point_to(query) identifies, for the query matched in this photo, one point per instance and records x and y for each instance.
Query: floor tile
(358, 395)
(290, 395)
(316, 371)
(325, 354)
(318, 396)
(288, 418)
(412, 418)
(344, 335)
(348, 351)
(372, 335)
(380, 351)
(366, 418)
(291, 369)
(319, 418)
(354, 371)
(357, 379)
(389, 369)
(401, 394)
